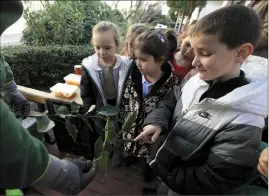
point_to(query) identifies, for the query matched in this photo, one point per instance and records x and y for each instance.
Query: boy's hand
(150, 134)
(263, 163)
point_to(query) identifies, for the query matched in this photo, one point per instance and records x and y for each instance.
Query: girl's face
(146, 64)
(130, 45)
(105, 45)
(186, 50)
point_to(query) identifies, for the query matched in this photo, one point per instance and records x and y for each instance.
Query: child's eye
(108, 48)
(188, 44)
(206, 54)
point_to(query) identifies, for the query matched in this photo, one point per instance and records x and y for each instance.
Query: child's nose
(189, 51)
(196, 61)
(138, 63)
(102, 52)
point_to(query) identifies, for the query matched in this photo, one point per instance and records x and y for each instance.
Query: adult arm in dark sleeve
(25, 161)
(23, 158)
(12, 96)
(231, 163)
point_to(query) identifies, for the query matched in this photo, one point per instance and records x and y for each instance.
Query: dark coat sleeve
(87, 92)
(231, 162)
(162, 115)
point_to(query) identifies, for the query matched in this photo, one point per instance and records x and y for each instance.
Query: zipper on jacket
(183, 114)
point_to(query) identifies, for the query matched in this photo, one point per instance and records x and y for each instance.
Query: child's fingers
(262, 167)
(142, 136)
(155, 136)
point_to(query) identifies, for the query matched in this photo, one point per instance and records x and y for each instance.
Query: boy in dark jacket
(214, 123)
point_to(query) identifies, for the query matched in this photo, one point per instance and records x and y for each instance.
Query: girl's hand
(263, 163)
(150, 134)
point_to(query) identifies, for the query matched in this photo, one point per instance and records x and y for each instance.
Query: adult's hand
(18, 103)
(87, 170)
(68, 176)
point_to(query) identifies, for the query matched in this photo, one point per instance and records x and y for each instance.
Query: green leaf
(98, 148)
(72, 129)
(74, 107)
(110, 132)
(129, 121)
(85, 120)
(91, 109)
(37, 114)
(99, 123)
(61, 110)
(44, 124)
(109, 110)
(103, 161)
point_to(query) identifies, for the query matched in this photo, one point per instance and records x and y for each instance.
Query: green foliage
(144, 12)
(71, 128)
(184, 7)
(112, 133)
(74, 108)
(129, 121)
(107, 113)
(67, 22)
(42, 67)
(111, 130)
(37, 124)
(109, 110)
(91, 109)
(44, 124)
(153, 15)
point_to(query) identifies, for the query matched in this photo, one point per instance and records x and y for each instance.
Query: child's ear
(243, 52)
(160, 61)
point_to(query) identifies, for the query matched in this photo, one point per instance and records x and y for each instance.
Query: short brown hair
(233, 25)
(105, 26)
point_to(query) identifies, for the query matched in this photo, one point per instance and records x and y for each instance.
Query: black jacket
(212, 144)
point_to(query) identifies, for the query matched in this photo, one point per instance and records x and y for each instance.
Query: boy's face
(214, 60)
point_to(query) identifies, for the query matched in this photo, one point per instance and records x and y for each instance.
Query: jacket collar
(123, 64)
(96, 64)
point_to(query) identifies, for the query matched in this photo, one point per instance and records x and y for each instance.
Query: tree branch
(138, 5)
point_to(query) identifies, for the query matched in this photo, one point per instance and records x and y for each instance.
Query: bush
(67, 22)
(42, 67)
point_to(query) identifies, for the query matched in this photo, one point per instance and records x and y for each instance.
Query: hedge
(40, 67)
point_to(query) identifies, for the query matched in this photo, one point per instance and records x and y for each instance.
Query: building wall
(210, 7)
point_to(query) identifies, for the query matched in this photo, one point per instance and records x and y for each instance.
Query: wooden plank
(41, 97)
(33, 95)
